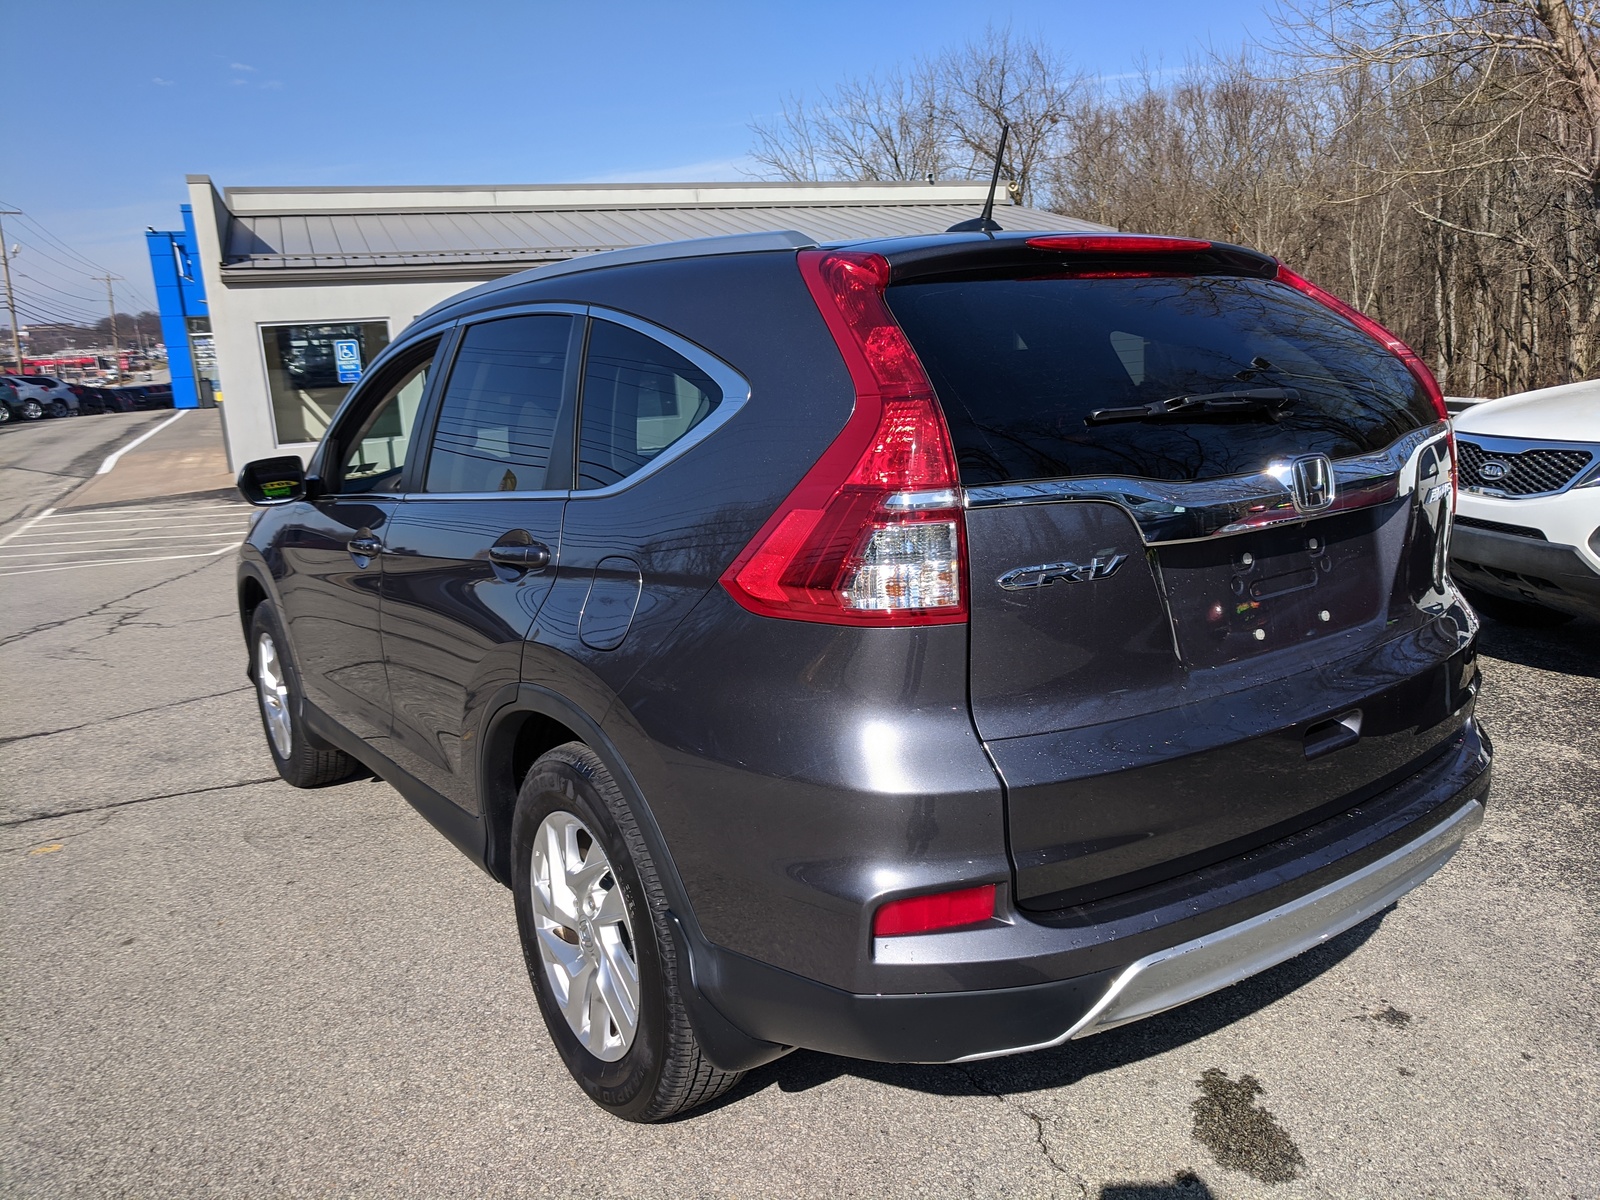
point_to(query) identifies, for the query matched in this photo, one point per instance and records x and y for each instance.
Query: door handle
(364, 545)
(535, 556)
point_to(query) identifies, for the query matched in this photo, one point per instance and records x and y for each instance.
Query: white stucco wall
(239, 311)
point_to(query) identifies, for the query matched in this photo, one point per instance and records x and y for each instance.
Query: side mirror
(268, 482)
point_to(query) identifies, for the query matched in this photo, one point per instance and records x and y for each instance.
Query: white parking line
(110, 562)
(111, 459)
(154, 537)
(26, 526)
(118, 510)
(70, 541)
(120, 530)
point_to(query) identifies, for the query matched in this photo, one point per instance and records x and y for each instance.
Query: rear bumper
(1207, 964)
(1134, 956)
(1523, 568)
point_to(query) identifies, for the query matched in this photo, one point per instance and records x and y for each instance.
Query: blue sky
(131, 97)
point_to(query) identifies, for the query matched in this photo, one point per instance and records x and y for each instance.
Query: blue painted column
(180, 296)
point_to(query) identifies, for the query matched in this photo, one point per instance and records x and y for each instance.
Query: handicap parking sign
(347, 358)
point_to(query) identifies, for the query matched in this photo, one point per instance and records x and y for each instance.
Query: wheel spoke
(621, 969)
(621, 1006)
(561, 953)
(612, 910)
(579, 1000)
(562, 898)
(599, 1025)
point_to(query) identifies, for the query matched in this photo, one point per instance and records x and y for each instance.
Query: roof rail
(733, 243)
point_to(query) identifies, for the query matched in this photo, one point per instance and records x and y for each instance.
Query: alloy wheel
(273, 685)
(585, 938)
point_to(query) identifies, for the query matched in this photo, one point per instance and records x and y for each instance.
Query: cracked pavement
(218, 985)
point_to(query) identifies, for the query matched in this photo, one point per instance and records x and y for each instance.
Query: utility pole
(116, 344)
(11, 299)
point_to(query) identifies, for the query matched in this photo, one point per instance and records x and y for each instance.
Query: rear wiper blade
(1269, 402)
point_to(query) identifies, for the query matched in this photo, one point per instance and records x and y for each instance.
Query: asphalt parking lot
(217, 985)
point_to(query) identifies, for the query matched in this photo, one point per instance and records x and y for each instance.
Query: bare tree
(1436, 162)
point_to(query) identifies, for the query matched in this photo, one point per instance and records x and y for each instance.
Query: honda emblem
(1311, 481)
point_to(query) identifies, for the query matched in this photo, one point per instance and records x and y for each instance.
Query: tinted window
(375, 454)
(638, 398)
(1020, 363)
(497, 420)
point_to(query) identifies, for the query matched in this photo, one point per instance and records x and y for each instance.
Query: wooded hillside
(1434, 162)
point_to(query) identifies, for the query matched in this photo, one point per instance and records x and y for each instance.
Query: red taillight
(1394, 345)
(873, 535)
(1118, 243)
(943, 910)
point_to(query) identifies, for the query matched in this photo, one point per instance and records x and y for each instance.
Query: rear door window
(498, 417)
(1020, 363)
(639, 397)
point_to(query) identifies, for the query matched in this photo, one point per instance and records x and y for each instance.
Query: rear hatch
(1206, 523)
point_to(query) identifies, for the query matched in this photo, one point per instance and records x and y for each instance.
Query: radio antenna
(986, 223)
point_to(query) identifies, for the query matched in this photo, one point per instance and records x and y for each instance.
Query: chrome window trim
(735, 394)
(1174, 511)
(1492, 444)
(557, 494)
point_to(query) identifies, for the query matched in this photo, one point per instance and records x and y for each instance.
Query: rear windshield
(1020, 363)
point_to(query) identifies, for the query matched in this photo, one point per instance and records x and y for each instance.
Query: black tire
(32, 410)
(663, 1072)
(1521, 613)
(58, 408)
(5, 412)
(305, 762)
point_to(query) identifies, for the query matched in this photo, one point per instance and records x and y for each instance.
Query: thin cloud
(716, 170)
(240, 67)
(160, 82)
(239, 82)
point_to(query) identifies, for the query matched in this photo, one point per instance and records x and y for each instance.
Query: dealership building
(304, 286)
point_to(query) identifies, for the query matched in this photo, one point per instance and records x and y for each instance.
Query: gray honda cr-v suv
(917, 650)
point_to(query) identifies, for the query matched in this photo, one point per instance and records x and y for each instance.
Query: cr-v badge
(1101, 566)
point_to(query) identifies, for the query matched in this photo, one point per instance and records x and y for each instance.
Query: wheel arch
(522, 718)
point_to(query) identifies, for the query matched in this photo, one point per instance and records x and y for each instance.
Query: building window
(311, 367)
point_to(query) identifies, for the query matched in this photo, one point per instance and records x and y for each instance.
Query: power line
(53, 289)
(139, 293)
(35, 304)
(27, 220)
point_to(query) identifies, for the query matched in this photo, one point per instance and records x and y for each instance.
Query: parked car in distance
(1526, 545)
(13, 407)
(92, 399)
(54, 397)
(140, 396)
(918, 650)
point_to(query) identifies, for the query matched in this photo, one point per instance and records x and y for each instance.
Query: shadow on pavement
(1572, 649)
(1066, 1065)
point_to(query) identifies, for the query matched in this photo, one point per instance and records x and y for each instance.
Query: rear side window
(639, 397)
(497, 419)
(1019, 363)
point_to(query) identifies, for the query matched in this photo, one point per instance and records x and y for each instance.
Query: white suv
(1526, 545)
(56, 397)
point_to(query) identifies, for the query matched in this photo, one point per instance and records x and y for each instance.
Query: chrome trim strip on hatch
(1178, 511)
(1168, 978)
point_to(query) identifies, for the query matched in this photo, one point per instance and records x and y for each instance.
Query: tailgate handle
(1327, 736)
